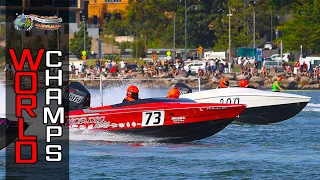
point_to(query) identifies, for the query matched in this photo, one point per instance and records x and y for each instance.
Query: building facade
(98, 10)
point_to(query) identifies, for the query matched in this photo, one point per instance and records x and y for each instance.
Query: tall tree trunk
(145, 45)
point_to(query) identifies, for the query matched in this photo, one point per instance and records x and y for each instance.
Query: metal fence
(118, 79)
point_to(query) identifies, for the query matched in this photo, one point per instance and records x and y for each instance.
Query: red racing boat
(165, 120)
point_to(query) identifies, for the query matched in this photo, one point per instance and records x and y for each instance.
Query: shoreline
(289, 82)
(208, 82)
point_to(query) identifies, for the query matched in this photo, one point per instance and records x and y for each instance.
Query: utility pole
(281, 52)
(185, 30)
(84, 34)
(23, 33)
(229, 33)
(254, 28)
(244, 16)
(271, 26)
(58, 36)
(174, 38)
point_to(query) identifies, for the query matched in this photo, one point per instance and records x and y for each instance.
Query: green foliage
(304, 28)
(76, 43)
(110, 56)
(34, 47)
(2, 30)
(14, 41)
(2, 54)
(137, 49)
(52, 42)
(152, 22)
(124, 45)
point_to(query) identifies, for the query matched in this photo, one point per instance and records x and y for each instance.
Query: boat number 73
(152, 118)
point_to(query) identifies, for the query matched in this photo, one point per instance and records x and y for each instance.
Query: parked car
(194, 66)
(133, 67)
(271, 64)
(269, 45)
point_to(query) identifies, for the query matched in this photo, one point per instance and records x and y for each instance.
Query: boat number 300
(230, 100)
(152, 118)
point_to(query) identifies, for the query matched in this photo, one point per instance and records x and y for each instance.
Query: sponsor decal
(133, 124)
(183, 92)
(95, 122)
(216, 108)
(121, 125)
(179, 119)
(26, 22)
(114, 125)
(73, 97)
(30, 94)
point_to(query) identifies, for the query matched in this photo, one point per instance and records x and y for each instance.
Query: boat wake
(87, 135)
(312, 107)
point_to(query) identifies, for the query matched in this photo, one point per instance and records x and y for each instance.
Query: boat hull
(263, 107)
(270, 114)
(179, 133)
(9, 132)
(164, 120)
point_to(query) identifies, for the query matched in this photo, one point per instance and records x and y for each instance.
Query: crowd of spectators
(170, 69)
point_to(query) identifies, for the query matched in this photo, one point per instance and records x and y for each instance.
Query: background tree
(304, 28)
(76, 43)
(14, 41)
(34, 48)
(152, 22)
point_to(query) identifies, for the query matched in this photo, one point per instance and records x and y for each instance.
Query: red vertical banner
(37, 48)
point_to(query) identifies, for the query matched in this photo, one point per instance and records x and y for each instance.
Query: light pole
(84, 33)
(244, 16)
(58, 36)
(185, 30)
(254, 27)
(174, 38)
(229, 54)
(253, 2)
(271, 26)
(185, 26)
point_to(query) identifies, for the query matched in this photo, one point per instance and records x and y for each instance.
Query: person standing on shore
(276, 86)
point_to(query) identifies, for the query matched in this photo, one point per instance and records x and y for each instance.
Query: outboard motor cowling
(75, 97)
(184, 89)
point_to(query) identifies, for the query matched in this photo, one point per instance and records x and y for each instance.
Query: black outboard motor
(75, 97)
(184, 89)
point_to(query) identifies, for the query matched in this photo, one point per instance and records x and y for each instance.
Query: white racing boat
(263, 107)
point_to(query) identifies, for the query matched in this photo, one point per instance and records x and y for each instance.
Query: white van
(194, 66)
(314, 61)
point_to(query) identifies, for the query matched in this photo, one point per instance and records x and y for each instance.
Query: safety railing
(121, 79)
(133, 79)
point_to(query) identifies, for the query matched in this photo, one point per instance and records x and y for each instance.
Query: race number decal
(152, 118)
(230, 101)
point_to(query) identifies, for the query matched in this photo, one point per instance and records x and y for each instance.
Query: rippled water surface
(286, 150)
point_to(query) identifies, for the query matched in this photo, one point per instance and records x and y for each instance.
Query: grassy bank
(92, 62)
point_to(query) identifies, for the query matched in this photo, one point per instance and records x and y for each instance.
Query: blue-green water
(286, 150)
